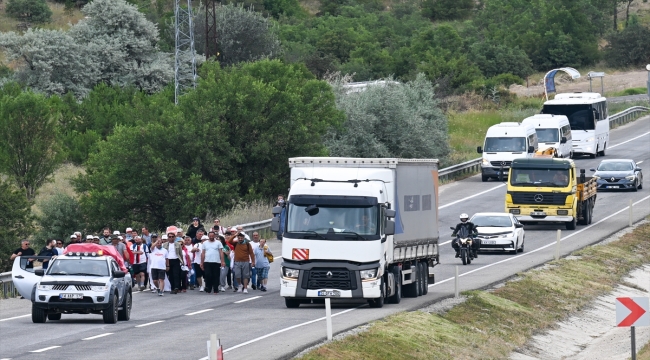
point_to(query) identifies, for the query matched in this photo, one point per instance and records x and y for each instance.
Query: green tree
(15, 221)
(447, 9)
(29, 151)
(29, 10)
(61, 216)
(494, 59)
(630, 47)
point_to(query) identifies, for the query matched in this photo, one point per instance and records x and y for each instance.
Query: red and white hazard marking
(300, 254)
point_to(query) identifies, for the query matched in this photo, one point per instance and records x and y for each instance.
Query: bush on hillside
(29, 10)
(630, 47)
(494, 59)
(447, 9)
(61, 216)
(15, 221)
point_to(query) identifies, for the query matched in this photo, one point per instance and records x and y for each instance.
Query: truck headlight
(368, 274)
(590, 139)
(485, 161)
(45, 287)
(631, 177)
(290, 273)
(101, 288)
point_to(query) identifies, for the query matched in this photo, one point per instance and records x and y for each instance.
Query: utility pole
(184, 54)
(211, 29)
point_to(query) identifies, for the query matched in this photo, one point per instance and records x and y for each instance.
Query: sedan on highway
(499, 231)
(618, 174)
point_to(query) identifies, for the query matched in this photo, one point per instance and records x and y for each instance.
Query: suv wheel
(110, 313)
(124, 314)
(39, 315)
(54, 316)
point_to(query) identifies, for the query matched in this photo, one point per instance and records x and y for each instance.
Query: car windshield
(581, 117)
(547, 135)
(492, 220)
(539, 177)
(505, 144)
(86, 267)
(357, 222)
(615, 166)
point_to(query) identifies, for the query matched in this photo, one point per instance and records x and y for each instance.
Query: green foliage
(390, 120)
(15, 221)
(447, 9)
(61, 216)
(29, 10)
(630, 47)
(494, 59)
(29, 151)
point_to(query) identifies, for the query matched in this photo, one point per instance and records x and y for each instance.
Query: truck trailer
(359, 228)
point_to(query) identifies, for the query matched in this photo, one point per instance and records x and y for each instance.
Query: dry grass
(490, 325)
(60, 183)
(60, 20)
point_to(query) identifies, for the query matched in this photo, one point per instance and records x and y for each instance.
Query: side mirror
(118, 274)
(275, 224)
(592, 169)
(479, 150)
(596, 115)
(390, 228)
(452, 228)
(519, 225)
(390, 213)
(277, 210)
(637, 169)
(531, 149)
(563, 140)
(39, 272)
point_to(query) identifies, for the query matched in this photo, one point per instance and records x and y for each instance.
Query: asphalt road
(258, 326)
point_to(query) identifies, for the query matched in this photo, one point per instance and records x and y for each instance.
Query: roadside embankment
(492, 324)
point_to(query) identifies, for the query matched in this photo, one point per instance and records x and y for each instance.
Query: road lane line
(16, 317)
(198, 312)
(45, 349)
(151, 323)
(627, 141)
(97, 336)
(473, 196)
(249, 299)
(543, 247)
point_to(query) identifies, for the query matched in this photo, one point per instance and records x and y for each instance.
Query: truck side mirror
(563, 140)
(531, 149)
(277, 210)
(390, 228)
(452, 228)
(479, 150)
(390, 213)
(275, 224)
(582, 176)
(118, 274)
(39, 272)
(592, 169)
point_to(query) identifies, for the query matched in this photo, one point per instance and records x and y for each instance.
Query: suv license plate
(71, 296)
(329, 293)
(537, 213)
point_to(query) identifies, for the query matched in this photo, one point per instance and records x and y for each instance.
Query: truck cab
(505, 142)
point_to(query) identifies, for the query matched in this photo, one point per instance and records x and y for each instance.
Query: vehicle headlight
(596, 177)
(290, 273)
(631, 177)
(507, 235)
(99, 288)
(368, 274)
(486, 162)
(590, 139)
(45, 287)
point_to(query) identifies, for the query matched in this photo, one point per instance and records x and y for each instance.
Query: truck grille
(501, 163)
(538, 198)
(341, 279)
(82, 287)
(59, 287)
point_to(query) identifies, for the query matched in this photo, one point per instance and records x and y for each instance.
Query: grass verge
(491, 324)
(630, 91)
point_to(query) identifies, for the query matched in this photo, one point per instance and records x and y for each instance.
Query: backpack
(145, 250)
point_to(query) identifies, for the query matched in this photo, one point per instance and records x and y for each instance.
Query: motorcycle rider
(464, 222)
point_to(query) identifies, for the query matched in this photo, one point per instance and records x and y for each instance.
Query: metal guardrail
(8, 289)
(626, 115)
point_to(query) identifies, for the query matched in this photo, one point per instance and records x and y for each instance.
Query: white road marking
(627, 141)
(97, 336)
(198, 312)
(473, 196)
(543, 247)
(6, 359)
(248, 299)
(16, 317)
(45, 349)
(151, 323)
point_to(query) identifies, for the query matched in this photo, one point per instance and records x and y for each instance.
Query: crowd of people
(212, 260)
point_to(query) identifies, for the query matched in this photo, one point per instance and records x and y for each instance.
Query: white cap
(204, 237)
(121, 238)
(73, 236)
(89, 237)
(164, 237)
(128, 229)
(116, 232)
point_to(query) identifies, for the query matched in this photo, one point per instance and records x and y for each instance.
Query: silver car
(499, 231)
(618, 174)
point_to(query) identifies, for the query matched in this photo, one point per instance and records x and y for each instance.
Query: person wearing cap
(89, 239)
(194, 227)
(243, 257)
(211, 263)
(196, 250)
(127, 234)
(73, 239)
(175, 259)
(116, 241)
(179, 235)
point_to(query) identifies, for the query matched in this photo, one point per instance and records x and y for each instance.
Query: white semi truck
(359, 228)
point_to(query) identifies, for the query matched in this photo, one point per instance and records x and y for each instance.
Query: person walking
(211, 262)
(146, 236)
(196, 251)
(116, 241)
(226, 271)
(140, 257)
(244, 256)
(186, 269)
(255, 244)
(175, 259)
(159, 263)
(194, 227)
(262, 264)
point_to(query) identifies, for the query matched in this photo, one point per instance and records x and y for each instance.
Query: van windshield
(581, 117)
(505, 144)
(539, 177)
(547, 135)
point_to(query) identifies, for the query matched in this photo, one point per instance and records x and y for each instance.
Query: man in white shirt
(140, 255)
(255, 244)
(197, 250)
(211, 260)
(159, 263)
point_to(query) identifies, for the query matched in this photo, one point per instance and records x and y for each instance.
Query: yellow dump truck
(547, 190)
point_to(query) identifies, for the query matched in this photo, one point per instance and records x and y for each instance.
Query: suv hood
(74, 280)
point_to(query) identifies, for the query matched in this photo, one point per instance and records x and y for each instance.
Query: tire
(425, 278)
(418, 280)
(124, 314)
(410, 290)
(39, 316)
(521, 249)
(110, 314)
(590, 207)
(585, 214)
(291, 303)
(602, 152)
(378, 302)
(513, 252)
(484, 178)
(463, 255)
(397, 297)
(593, 156)
(571, 225)
(636, 186)
(54, 316)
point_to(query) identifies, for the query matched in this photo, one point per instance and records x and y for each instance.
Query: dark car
(618, 174)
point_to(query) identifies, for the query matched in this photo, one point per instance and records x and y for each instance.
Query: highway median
(492, 323)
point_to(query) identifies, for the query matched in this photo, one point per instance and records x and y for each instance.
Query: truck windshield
(505, 144)
(547, 135)
(539, 177)
(581, 117)
(82, 267)
(333, 222)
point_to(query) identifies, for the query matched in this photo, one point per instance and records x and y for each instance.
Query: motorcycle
(465, 245)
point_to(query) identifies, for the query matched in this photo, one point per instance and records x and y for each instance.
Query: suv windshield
(615, 166)
(333, 222)
(494, 221)
(581, 117)
(547, 135)
(505, 144)
(539, 177)
(85, 267)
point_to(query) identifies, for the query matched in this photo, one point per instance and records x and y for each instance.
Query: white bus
(589, 120)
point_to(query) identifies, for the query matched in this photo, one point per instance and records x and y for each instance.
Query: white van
(553, 131)
(589, 120)
(505, 142)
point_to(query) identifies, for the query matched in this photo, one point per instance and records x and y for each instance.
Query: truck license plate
(333, 293)
(488, 242)
(71, 296)
(537, 213)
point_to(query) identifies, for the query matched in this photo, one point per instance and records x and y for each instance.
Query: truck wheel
(110, 314)
(378, 302)
(484, 178)
(54, 316)
(585, 214)
(593, 156)
(124, 314)
(571, 225)
(397, 297)
(602, 152)
(39, 315)
(425, 278)
(291, 303)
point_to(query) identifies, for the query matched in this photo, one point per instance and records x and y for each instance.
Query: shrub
(630, 47)
(61, 216)
(494, 59)
(447, 9)
(29, 10)
(15, 221)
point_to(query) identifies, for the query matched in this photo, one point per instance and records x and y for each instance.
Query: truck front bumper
(585, 148)
(541, 214)
(552, 218)
(495, 172)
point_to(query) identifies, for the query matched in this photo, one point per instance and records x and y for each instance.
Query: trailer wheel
(571, 225)
(410, 290)
(425, 278)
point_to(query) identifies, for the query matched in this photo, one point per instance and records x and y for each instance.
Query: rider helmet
(464, 217)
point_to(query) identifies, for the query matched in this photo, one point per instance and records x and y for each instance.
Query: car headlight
(45, 287)
(507, 235)
(368, 274)
(596, 177)
(631, 177)
(290, 273)
(486, 162)
(99, 288)
(590, 139)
